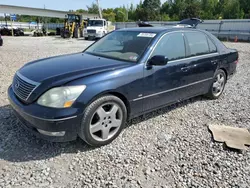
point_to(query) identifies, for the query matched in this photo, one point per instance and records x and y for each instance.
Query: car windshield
(95, 23)
(123, 45)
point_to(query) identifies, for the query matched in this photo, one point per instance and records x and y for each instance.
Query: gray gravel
(167, 148)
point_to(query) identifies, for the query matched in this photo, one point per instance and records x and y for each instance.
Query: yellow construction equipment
(73, 26)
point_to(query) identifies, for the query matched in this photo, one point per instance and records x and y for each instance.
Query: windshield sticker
(134, 58)
(149, 35)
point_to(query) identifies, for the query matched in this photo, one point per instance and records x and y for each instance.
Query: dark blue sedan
(127, 73)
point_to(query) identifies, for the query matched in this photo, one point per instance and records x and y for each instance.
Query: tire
(66, 35)
(86, 38)
(215, 95)
(76, 33)
(97, 128)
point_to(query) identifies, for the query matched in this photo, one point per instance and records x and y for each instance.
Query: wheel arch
(124, 100)
(117, 94)
(225, 71)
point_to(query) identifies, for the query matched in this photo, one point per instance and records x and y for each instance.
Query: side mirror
(158, 60)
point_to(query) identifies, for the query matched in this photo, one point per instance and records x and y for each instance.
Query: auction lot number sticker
(149, 35)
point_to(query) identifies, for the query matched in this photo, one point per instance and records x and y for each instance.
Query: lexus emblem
(17, 85)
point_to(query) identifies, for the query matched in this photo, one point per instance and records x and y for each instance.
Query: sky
(66, 5)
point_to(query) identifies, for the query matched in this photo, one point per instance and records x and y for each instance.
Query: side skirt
(132, 116)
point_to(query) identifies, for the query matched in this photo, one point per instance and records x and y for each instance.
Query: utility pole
(5, 17)
(127, 12)
(99, 8)
(45, 22)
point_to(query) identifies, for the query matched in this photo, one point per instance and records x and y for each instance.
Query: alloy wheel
(106, 121)
(219, 84)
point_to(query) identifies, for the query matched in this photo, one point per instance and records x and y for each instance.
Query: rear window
(219, 44)
(197, 43)
(212, 47)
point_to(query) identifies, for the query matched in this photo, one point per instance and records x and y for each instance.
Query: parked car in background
(125, 74)
(1, 40)
(190, 22)
(7, 30)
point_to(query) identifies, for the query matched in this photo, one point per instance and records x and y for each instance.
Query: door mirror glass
(158, 60)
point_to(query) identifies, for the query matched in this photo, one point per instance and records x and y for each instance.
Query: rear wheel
(103, 121)
(218, 85)
(76, 33)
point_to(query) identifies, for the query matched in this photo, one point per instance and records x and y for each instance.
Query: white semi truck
(97, 28)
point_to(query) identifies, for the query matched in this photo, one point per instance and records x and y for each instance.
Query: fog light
(62, 133)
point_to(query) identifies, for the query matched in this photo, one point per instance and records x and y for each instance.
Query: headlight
(99, 32)
(61, 97)
(85, 31)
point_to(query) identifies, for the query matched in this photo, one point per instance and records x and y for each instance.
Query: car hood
(66, 68)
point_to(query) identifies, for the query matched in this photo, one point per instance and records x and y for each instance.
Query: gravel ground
(171, 147)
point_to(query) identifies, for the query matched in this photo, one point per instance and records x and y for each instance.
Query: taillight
(237, 61)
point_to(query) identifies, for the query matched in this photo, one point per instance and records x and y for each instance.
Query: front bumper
(93, 35)
(31, 121)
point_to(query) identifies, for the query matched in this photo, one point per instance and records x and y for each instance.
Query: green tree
(109, 14)
(245, 6)
(165, 11)
(139, 13)
(151, 9)
(176, 9)
(121, 14)
(81, 11)
(209, 9)
(93, 8)
(132, 13)
(232, 10)
(191, 9)
(165, 8)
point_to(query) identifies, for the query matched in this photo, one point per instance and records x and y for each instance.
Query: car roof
(158, 29)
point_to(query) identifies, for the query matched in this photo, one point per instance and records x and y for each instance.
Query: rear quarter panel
(228, 57)
(229, 60)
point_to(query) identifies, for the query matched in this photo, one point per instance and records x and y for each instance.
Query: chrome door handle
(214, 62)
(185, 69)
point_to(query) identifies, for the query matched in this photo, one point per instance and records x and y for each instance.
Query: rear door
(203, 59)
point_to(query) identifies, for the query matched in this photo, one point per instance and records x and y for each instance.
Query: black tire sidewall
(84, 131)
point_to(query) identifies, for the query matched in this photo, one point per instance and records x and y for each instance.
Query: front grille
(23, 87)
(91, 31)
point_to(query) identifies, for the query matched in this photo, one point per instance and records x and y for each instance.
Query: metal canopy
(9, 9)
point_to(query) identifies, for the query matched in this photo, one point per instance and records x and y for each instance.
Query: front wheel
(103, 121)
(218, 85)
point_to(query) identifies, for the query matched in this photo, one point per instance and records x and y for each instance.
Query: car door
(202, 63)
(162, 84)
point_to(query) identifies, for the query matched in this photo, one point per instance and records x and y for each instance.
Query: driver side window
(171, 45)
